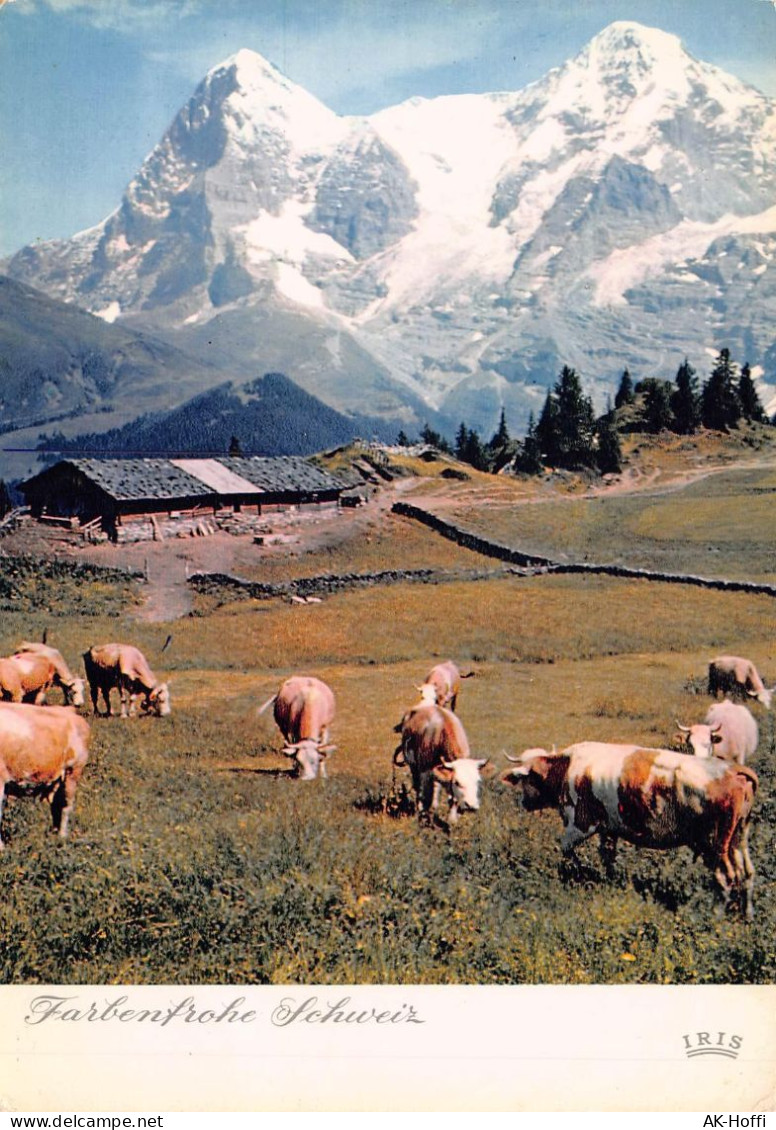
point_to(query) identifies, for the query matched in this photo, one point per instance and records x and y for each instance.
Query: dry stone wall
(507, 553)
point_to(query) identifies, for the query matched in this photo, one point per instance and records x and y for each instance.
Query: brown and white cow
(435, 747)
(72, 686)
(734, 675)
(123, 667)
(442, 685)
(304, 711)
(43, 751)
(650, 797)
(728, 731)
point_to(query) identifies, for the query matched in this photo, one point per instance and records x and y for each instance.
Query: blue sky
(87, 87)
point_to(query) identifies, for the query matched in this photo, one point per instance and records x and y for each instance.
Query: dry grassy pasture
(194, 858)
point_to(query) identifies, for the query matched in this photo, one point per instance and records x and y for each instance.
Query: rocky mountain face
(450, 255)
(58, 362)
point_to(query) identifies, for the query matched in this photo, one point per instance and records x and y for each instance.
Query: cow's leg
(62, 805)
(725, 885)
(425, 793)
(745, 871)
(103, 690)
(725, 874)
(572, 835)
(124, 696)
(58, 804)
(608, 850)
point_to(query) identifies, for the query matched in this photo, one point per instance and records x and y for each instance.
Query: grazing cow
(43, 751)
(734, 675)
(435, 747)
(124, 667)
(304, 710)
(442, 685)
(650, 797)
(72, 686)
(728, 731)
(27, 677)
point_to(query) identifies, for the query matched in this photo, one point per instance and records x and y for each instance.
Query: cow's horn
(290, 750)
(516, 759)
(684, 729)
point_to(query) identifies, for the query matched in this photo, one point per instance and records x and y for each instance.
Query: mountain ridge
(454, 252)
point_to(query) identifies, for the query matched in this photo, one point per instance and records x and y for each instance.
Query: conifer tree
(547, 431)
(529, 455)
(686, 401)
(657, 405)
(720, 406)
(751, 408)
(625, 393)
(461, 440)
(609, 451)
(576, 422)
(434, 439)
(500, 437)
(474, 453)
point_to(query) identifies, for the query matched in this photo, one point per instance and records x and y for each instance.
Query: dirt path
(167, 595)
(167, 565)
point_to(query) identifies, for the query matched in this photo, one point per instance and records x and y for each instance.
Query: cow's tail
(266, 705)
(468, 675)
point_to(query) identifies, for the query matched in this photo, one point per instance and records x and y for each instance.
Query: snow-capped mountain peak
(617, 212)
(262, 97)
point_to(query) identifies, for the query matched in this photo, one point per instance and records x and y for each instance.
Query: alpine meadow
(332, 397)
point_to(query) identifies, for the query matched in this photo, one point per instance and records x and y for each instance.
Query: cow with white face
(123, 667)
(653, 798)
(728, 731)
(435, 748)
(304, 711)
(442, 685)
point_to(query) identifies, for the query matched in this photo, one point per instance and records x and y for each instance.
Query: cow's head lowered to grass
(157, 701)
(462, 779)
(310, 758)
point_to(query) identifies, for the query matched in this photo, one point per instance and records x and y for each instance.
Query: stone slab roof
(136, 479)
(284, 472)
(128, 479)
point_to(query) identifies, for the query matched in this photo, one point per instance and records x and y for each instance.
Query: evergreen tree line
(725, 399)
(568, 434)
